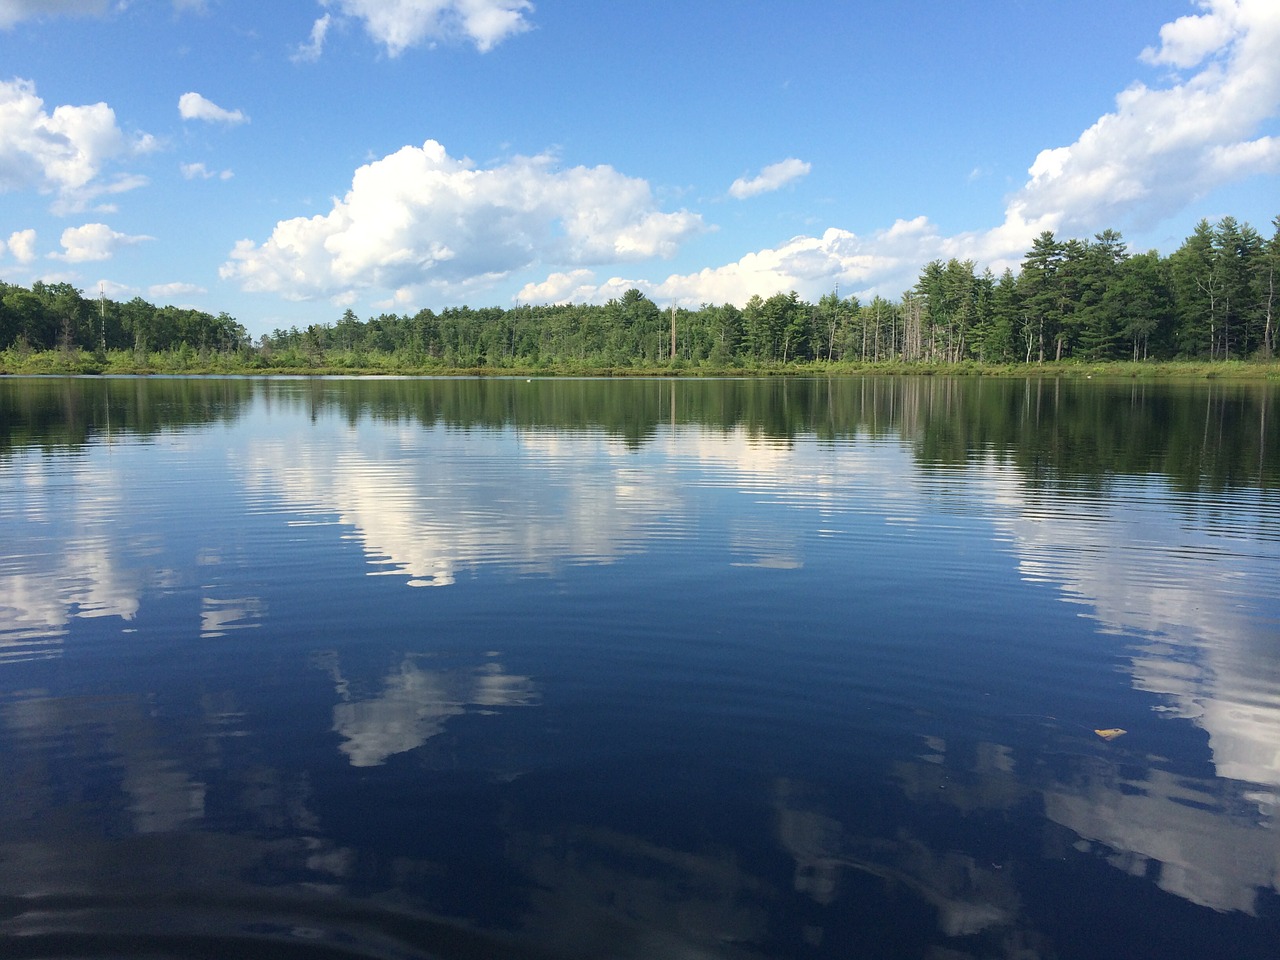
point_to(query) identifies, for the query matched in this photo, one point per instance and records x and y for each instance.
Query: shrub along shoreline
(76, 362)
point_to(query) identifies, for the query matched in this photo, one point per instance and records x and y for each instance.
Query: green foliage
(58, 316)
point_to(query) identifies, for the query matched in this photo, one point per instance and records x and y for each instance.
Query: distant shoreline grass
(191, 363)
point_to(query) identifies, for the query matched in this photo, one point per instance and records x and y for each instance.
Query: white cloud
(93, 241)
(192, 106)
(400, 24)
(169, 291)
(1235, 160)
(62, 152)
(310, 51)
(573, 287)
(421, 218)
(22, 245)
(1161, 149)
(115, 291)
(12, 11)
(772, 177)
(78, 201)
(1188, 40)
(198, 171)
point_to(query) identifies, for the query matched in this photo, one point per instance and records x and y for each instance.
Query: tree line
(51, 316)
(1214, 298)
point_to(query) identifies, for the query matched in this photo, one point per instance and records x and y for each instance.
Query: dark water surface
(639, 669)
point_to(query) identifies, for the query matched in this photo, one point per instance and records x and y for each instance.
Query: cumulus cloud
(575, 286)
(22, 245)
(310, 51)
(198, 171)
(1160, 150)
(772, 177)
(93, 241)
(400, 24)
(12, 11)
(420, 218)
(1188, 40)
(192, 106)
(62, 152)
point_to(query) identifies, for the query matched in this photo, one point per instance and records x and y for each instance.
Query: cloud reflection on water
(71, 565)
(430, 507)
(97, 541)
(1176, 582)
(415, 704)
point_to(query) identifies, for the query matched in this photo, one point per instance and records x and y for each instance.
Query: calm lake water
(639, 669)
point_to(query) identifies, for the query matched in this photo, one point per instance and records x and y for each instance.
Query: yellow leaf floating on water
(1111, 733)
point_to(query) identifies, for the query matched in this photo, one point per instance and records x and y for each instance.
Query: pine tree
(1040, 287)
(1197, 289)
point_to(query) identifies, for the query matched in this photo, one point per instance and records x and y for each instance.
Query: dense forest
(1214, 298)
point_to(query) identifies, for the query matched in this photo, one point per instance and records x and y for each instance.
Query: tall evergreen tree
(1040, 286)
(1099, 323)
(1006, 313)
(1198, 288)
(981, 338)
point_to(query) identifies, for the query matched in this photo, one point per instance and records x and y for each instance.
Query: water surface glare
(639, 669)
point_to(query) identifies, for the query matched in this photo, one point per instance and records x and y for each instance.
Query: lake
(480, 668)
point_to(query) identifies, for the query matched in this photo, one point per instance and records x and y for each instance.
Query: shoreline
(123, 363)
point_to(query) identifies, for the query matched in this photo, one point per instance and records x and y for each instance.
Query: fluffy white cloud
(12, 11)
(22, 245)
(421, 218)
(165, 292)
(771, 178)
(575, 286)
(93, 241)
(198, 171)
(310, 51)
(192, 106)
(1188, 40)
(1161, 149)
(62, 152)
(400, 24)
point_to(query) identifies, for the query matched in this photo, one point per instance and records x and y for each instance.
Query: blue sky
(284, 161)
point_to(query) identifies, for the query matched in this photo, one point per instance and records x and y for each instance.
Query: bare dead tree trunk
(1268, 348)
